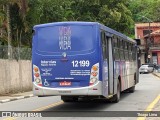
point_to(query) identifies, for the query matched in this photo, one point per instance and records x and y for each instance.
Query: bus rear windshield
(65, 38)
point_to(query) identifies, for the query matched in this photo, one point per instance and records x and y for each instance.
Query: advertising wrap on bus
(64, 56)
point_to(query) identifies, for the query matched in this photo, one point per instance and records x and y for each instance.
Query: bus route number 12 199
(81, 63)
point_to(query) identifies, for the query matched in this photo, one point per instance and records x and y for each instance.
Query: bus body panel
(95, 90)
(60, 70)
(126, 69)
(105, 78)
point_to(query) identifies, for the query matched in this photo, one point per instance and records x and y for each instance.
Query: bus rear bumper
(94, 90)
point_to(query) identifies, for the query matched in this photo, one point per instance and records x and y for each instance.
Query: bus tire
(131, 89)
(116, 97)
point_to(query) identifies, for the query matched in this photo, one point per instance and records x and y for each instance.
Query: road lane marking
(9, 118)
(150, 107)
(157, 78)
(49, 106)
(38, 109)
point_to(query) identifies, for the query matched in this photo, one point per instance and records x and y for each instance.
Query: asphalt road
(146, 91)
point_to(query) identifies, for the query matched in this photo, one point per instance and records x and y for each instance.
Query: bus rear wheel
(116, 97)
(132, 89)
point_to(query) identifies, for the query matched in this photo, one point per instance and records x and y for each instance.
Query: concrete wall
(15, 76)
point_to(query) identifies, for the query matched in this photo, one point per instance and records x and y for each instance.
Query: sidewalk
(12, 97)
(156, 74)
(157, 105)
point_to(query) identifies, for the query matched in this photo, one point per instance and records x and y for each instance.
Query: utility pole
(149, 39)
(149, 43)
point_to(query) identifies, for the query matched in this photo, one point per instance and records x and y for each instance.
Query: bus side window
(116, 51)
(126, 50)
(104, 45)
(118, 48)
(120, 44)
(121, 50)
(114, 42)
(133, 52)
(130, 52)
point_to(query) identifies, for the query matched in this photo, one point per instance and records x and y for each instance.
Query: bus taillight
(35, 69)
(94, 76)
(37, 80)
(40, 84)
(37, 75)
(95, 68)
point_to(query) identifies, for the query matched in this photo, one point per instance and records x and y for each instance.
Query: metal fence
(18, 53)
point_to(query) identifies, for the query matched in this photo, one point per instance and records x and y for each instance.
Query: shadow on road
(92, 105)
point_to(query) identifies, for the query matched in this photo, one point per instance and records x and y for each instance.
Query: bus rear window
(65, 38)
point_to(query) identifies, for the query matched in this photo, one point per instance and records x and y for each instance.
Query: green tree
(155, 11)
(6, 7)
(115, 14)
(112, 13)
(147, 8)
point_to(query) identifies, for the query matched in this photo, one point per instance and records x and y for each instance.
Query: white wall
(15, 76)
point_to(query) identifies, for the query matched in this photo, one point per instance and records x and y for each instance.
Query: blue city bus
(82, 60)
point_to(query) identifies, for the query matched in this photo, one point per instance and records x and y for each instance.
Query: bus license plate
(65, 83)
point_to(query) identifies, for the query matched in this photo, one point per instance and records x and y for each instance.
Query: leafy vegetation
(17, 17)
(145, 8)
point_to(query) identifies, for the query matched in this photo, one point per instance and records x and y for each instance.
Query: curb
(16, 98)
(156, 75)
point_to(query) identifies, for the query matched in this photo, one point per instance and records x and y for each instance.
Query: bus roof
(111, 31)
(68, 22)
(107, 29)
